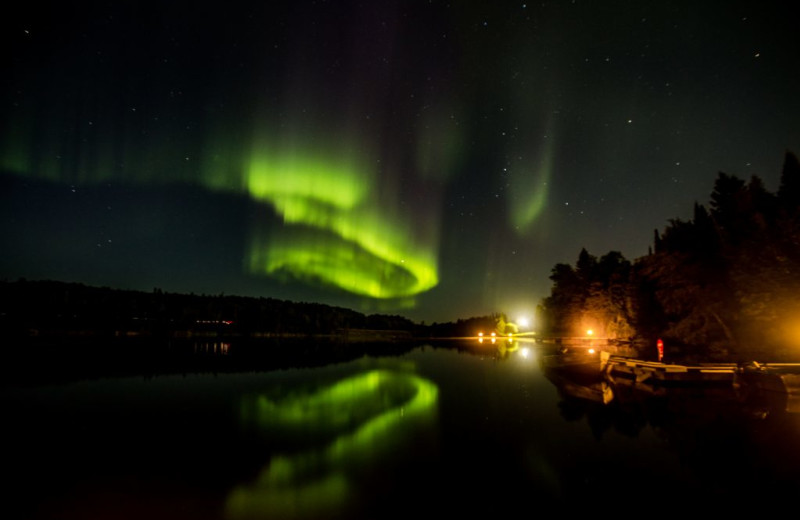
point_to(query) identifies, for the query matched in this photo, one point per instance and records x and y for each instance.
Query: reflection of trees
(71, 360)
(592, 398)
(734, 439)
(499, 348)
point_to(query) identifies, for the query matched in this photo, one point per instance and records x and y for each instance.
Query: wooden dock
(782, 378)
(653, 372)
(598, 376)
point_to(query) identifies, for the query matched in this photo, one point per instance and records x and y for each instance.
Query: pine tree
(789, 190)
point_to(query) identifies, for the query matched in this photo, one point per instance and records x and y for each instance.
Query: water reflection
(212, 347)
(498, 347)
(352, 426)
(449, 429)
(722, 432)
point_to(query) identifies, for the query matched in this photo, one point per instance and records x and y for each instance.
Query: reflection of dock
(596, 377)
(578, 387)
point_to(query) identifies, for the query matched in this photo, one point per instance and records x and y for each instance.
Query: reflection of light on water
(216, 347)
(525, 352)
(368, 416)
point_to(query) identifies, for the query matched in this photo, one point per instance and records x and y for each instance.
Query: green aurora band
(530, 182)
(334, 234)
(530, 192)
(357, 424)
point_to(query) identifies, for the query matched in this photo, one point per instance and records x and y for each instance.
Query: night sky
(428, 159)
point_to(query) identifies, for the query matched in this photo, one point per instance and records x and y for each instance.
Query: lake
(209, 430)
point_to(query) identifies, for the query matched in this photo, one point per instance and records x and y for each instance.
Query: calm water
(429, 432)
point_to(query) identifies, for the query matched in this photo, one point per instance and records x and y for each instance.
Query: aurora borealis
(430, 158)
(335, 235)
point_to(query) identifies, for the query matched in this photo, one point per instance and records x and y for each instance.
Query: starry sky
(424, 158)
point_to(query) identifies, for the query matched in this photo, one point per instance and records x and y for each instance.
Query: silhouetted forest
(722, 285)
(463, 327)
(31, 308)
(59, 309)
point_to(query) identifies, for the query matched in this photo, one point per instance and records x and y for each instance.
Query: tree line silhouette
(51, 309)
(58, 308)
(724, 284)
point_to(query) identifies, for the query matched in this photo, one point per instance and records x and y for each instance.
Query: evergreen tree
(724, 283)
(789, 190)
(585, 267)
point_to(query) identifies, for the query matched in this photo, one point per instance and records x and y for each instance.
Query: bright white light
(591, 351)
(524, 352)
(589, 332)
(523, 321)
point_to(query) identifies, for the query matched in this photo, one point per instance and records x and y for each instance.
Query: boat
(777, 378)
